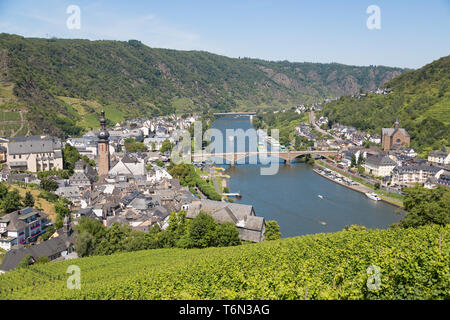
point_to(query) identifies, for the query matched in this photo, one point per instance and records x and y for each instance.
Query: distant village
(386, 156)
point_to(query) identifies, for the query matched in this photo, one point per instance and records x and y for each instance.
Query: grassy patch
(42, 204)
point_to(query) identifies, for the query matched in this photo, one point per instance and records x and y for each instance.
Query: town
(121, 177)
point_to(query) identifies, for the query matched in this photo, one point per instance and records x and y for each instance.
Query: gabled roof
(47, 248)
(390, 131)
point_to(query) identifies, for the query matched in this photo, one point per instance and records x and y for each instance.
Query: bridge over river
(234, 157)
(239, 114)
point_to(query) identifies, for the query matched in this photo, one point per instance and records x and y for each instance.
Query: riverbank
(359, 187)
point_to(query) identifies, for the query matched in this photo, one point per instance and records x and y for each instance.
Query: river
(291, 196)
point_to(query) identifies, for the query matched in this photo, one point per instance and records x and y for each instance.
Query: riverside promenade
(359, 187)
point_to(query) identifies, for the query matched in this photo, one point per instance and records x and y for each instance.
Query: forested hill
(64, 83)
(420, 98)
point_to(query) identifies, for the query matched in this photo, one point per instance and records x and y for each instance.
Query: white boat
(320, 196)
(373, 196)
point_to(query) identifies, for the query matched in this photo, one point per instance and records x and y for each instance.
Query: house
(251, 228)
(56, 248)
(35, 153)
(394, 138)
(412, 174)
(3, 152)
(84, 175)
(379, 166)
(21, 227)
(439, 157)
(72, 194)
(376, 138)
(128, 166)
(156, 174)
(3, 149)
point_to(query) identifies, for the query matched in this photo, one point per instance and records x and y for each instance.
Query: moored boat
(373, 196)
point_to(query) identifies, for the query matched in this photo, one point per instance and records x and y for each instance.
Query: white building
(439, 157)
(21, 227)
(379, 166)
(35, 153)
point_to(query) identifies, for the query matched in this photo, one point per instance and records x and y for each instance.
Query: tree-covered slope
(64, 83)
(413, 264)
(420, 98)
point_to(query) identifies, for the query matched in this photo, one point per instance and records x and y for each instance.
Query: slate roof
(16, 219)
(390, 131)
(438, 153)
(416, 168)
(34, 144)
(47, 248)
(380, 161)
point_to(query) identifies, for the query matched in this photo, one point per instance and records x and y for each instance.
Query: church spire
(397, 124)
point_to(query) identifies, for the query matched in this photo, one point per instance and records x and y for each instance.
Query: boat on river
(373, 196)
(320, 196)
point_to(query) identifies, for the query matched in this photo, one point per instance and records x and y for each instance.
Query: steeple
(103, 135)
(103, 147)
(103, 120)
(66, 225)
(397, 124)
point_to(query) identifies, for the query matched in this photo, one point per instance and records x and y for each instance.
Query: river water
(291, 196)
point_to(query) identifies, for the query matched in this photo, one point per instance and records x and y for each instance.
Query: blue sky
(413, 33)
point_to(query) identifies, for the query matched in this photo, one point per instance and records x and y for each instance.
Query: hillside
(63, 84)
(420, 98)
(414, 264)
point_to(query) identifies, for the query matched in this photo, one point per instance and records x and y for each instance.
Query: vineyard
(413, 264)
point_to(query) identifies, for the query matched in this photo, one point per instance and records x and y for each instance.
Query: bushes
(201, 232)
(425, 206)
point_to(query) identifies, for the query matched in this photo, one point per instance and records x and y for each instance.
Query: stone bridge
(233, 158)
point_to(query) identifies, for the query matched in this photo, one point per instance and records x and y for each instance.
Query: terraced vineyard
(414, 264)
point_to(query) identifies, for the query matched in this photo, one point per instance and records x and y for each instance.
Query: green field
(413, 264)
(9, 116)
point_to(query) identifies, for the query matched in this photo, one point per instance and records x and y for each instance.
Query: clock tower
(103, 147)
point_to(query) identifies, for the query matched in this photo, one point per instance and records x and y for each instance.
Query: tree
(25, 262)
(153, 146)
(361, 170)
(61, 210)
(135, 241)
(166, 146)
(272, 230)
(201, 231)
(94, 227)
(425, 206)
(70, 157)
(353, 164)
(113, 240)
(11, 202)
(84, 244)
(48, 233)
(131, 145)
(42, 259)
(48, 185)
(227, 235)
(29, 200)
(3, 190)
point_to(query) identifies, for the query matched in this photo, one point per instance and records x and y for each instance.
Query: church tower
(103, 147)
